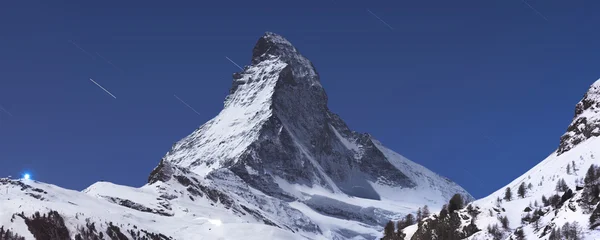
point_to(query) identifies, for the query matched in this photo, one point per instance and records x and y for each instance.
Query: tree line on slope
(441, 226)
(51, 226)
(446, 225)
(9, 235)
(394, 231)
(591, 195)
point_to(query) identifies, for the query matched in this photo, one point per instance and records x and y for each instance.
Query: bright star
(26, 176)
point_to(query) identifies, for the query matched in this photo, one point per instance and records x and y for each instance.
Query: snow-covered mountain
(563, 188)
(275, 163)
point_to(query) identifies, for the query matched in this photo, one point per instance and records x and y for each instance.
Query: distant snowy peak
(586, 123)
(276, 125)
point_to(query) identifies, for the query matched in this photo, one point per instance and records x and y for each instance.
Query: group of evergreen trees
(561, 186)
(8, 235)
(521, 191)
(423, 213)
(571, 231)
(495, 231)
(394, 231)
(591, 195)
(445, 225)
(390, 232)
(553, 201)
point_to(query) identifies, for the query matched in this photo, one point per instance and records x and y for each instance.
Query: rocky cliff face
(586, 123)
(275, 163)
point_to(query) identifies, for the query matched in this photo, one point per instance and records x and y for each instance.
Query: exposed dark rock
(217, 196)
(168, 196)
(259, 216)
(114, 232)
(583, 127)
(595, 218)
(566, 196)
(572, 207)
(36, 196)
(194, 191)
(183, 180)
(162, 172)
(21, 184)
(339, 209)
(133, 205)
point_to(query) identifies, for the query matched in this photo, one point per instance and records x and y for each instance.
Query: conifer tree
(389, 231)
(504, 222)
(561, 185)
(409, 220)
(456, 203)
(426, 212)
(508, 194)
(591, 175)
(522, 190)
(545, 201)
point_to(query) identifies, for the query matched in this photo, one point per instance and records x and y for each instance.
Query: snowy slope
(194, 220)
(578, 150)
(275, 163)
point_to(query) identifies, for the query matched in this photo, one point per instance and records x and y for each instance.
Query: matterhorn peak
(586, 122)
(276, 126)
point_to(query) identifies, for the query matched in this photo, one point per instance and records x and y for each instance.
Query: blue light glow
(26, 176)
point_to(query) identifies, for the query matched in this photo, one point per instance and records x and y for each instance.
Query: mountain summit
(275, 163)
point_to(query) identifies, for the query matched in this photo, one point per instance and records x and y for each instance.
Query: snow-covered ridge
(201, 218)
(225, 137)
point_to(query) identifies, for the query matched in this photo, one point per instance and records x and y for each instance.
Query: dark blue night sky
(478, 91)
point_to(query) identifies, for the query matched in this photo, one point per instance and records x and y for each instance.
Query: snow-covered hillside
(275, 163)
(545, 202)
